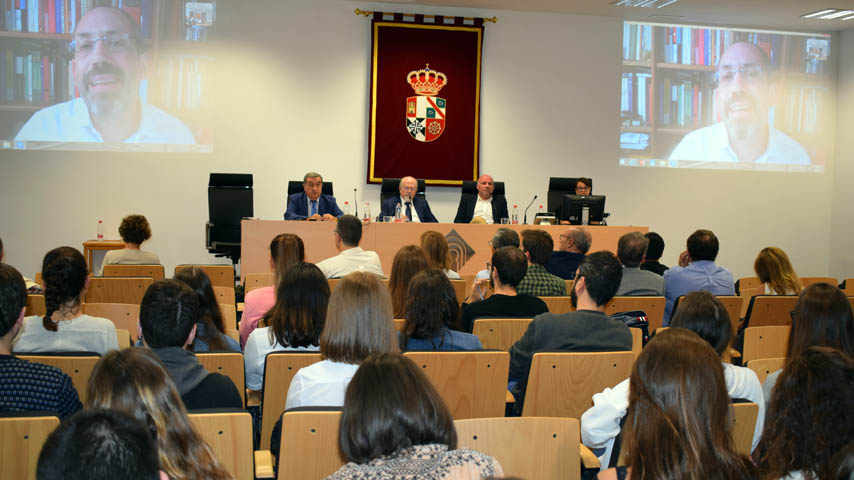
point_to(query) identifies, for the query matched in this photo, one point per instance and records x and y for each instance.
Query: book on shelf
(635, 104)
(33, 76)
(637, 42)
(61, 16)
(685, 102)
(802, 109)
(704, 46)
(184, 81)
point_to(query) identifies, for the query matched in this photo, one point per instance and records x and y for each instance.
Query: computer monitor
(573, 205)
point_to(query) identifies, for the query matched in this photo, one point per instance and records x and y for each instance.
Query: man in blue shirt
(312, 204)
(696, 271)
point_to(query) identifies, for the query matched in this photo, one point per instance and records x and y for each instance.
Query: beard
(744, 127)
(105, 104)
(573, 297)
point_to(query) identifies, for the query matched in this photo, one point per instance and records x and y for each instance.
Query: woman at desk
(134, 230)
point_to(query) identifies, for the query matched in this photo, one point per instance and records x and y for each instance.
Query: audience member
(433, 315)
(413, 208)
(653, 254)
(507, 269)
(358, 323)
(100, 444)
(631, 249)
(395, 426)
(679, 416)
(587, 329)
(811, 416)
(133, 381)
(26, 386)
(351, 258)
(822, 317)
(65, 327)
(573, 245)
(168, 316)
(484, 205)
(294, 323)
(408, 261)
(537, 246)
(704, 315)
(503, 237)
(210, 329)
(286, 250)
(134, 230)
(438, 253)
(775, 271)
(696, 271)
(312, 203)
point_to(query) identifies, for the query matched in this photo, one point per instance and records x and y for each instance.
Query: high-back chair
(156, 272)
(22, 435)
(310, 449)
(279, 370)
(229, 364)
(744, 415)
(77, 365)
(229, 434)
(768, 310)
(117, 289)
(460, 289)
(765, 342)
(500, 333)
(653, 306)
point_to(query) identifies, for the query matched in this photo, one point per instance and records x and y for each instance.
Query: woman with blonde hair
(408, 261)
(134, 381)
(438, 252)
(775, 271)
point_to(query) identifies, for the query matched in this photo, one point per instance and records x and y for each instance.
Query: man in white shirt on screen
(742, 98)
(351, 257)
(109, 65)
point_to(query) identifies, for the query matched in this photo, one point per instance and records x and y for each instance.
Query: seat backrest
(279, 370)
(229, 316)
(224, 295)
(310, 445)
(123, 338)
(500, 333)
(768, 310)
(526, 447)
(78, 367)
(748, 283)
(257, 280)
(399, 324)
(117, 289)
(558, 187)
(460, 289)
(807, 281)
(744, 414)
(21, 440)
(637, 341)
(229, 434)
(220, 275)
(473, 384)
(558, 304)
(563, 384)
(333, 282)
(765, 342)
(848, 283)
(389, 188)
(229, 364)
(156, 272)
(763, 367)
(652, 306)
(123, 315)
(35, 305)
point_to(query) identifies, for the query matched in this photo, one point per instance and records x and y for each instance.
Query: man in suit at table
(412, 207)
(492, 209)
(311, 204)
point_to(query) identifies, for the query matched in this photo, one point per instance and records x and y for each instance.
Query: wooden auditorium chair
(279, 370)
(500, 333)
(156, 272)
(765, 342)
(123, 315)
(22, 435)
(653, 306)
(77, 365)
(229, 434)
(35, 305)
(117, 289)
(763, 367)
(257, 280)
(558, 304)
(220, 275)
(768, 310)
(310, 449)
(229, 364)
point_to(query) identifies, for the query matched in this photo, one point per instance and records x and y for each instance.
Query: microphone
(355, 203)
(525, 221)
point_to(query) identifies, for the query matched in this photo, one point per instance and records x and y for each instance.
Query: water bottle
(397, 213)
(514, 217)
(366, 215)
(100, 232)
(346, 208)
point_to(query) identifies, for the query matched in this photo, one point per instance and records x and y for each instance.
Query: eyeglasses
(582, 189)
(750, 73)
(114, 42)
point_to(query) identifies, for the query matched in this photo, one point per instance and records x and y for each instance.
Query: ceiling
(766, 14)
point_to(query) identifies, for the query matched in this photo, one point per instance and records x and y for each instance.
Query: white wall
(842, 227)
(294, 82)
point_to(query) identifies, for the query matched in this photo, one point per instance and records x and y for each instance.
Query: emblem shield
(425, 117)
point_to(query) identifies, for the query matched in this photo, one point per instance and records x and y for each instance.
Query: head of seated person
(504, 237)
(485, 186)
(576, 240)
(286, 250)
(210, 315)
(408, 187)
(408, 261)
(537, 245)
(596, 281)
(706, 316)
(348, 232)
(65, 276)
(583, 186)
(436, 248)
(509, 266)
(703, 245)
(431, 306)
(774, 269)
(299, 314)
(312, 185)
(655, 249)
(13, 304)
(822, 317)
(631, 249)
(134, 230)
(168, 314)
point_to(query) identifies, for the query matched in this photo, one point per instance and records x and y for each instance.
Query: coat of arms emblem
(425, 112)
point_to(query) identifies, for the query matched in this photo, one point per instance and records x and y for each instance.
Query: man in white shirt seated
(486, 206)
(348, 234)
(412, 207)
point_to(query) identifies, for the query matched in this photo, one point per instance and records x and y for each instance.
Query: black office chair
(229, 201)
(558, 187)
(470, 188)
(389, 188)
(295, 186)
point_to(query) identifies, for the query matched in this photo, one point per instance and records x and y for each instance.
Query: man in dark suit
(311, 204)
(492, 209)
(412, 208)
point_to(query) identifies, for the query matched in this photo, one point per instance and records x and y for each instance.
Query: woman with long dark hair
(433, 315)
(210, 330)
(408, 261)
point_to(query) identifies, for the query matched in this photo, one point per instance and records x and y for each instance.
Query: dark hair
(436, 249)
(822, 316)
(64, 273)
(703, 245)
(811, 415)
(679, 418)
(504, 237)
(391, 405)
(631, 248)
(656, 246)
(13, 297)
(99, 444)
(299, 314)
(286, 250)
(408, 261)
(1, 249)
(511, 265)
(602, 275)
(135, 229)
(210, 315)
(431, 306)
(538, 244)
(842, 464)
(168, 312)
(349, 228)
(706, 316)
(585, 181)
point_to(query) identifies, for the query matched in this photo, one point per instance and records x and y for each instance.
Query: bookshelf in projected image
(36, 71)
(667, 86)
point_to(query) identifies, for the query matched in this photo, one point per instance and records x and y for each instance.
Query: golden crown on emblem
(426, 81)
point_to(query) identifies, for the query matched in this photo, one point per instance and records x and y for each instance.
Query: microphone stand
(355, 203)
(525, 221)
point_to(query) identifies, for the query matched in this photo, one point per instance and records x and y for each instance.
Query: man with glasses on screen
(109, 64)
(743, 97)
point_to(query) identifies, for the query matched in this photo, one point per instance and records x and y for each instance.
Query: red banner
(425, 99)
